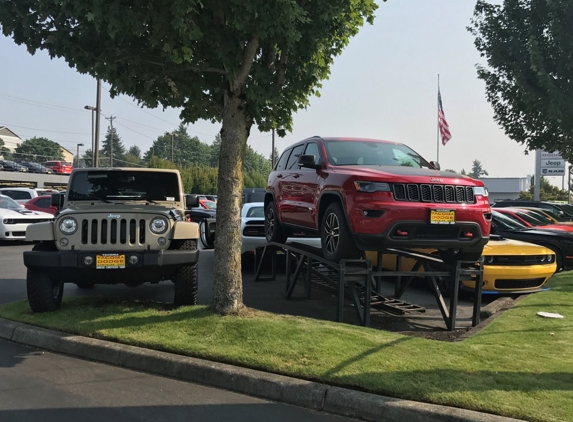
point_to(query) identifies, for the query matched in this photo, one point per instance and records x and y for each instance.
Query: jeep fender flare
(40, 232)
(185, 230)
(326, 198)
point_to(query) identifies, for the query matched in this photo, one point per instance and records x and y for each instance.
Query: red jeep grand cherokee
(367, 194)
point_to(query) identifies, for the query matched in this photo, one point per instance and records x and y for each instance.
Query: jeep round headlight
(68, 226)
(158, 225)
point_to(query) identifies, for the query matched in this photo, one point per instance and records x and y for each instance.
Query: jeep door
(306, 185)
(303, 186)
(289, 199)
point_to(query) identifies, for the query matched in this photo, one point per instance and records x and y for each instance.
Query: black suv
(563, 212)
(36, 168)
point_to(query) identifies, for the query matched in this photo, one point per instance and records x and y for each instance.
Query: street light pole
(78, 156)
(97, 124)
(93, 109)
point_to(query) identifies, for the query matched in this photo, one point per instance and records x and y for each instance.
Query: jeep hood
(407, 174)
(91, 208)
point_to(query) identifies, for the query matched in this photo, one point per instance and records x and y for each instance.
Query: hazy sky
(383, 86)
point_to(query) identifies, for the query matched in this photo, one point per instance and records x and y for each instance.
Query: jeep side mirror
(57, 200)
(435, 164)
(191, 201)
(308, 161)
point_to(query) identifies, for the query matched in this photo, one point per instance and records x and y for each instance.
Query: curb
(308, 394)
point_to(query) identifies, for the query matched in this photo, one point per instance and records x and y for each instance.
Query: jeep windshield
(372, 153)
(124, 185)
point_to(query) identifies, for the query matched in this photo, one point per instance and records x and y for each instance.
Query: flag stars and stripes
(442, 123)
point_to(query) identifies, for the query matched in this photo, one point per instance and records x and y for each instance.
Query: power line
(139, 133)
(153, 115)
(45, 130)
(38, 103)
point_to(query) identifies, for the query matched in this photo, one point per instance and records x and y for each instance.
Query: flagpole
(438, 123)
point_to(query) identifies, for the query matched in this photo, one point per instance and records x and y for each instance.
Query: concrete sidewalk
(312, 395)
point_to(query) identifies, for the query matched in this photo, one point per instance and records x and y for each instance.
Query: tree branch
(248, 57)
(197, 69)
(281, 75)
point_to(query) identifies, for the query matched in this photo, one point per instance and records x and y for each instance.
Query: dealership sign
(552, 163)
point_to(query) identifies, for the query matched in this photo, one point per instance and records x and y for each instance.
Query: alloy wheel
(270, 223)
(332, 233)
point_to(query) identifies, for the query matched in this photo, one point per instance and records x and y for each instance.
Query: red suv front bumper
(383, 222)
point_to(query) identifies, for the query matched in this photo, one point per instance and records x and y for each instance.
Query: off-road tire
(207, 241)
(274, 230)
(186, 280)
(44, 293)
(335, 235)
(85, 284)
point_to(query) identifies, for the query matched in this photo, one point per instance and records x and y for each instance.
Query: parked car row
(48, 167)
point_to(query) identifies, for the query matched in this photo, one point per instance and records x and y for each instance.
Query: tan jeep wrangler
(115, 225)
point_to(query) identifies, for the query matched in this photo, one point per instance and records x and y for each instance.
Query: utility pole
(98, 111)
(273, 151)
(172, 134)
(110, 118)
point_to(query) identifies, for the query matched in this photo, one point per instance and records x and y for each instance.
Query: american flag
(442, 123)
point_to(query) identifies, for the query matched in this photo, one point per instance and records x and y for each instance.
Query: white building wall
(505, 187)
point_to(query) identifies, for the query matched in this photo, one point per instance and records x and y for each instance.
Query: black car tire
(335, 235)
(44, 293)
(208, 241)
(274, 230)
(186, 280)
(85, 284)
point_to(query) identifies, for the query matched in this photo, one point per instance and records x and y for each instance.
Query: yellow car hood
(514, 247)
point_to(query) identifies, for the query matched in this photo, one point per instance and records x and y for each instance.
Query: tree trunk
(228, 282)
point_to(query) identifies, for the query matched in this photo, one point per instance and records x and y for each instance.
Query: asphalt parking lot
(264, 295)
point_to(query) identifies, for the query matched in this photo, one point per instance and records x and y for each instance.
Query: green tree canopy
(235, 62)
(38, 150)
(477, 170)
(528, 45)
(134, 151)
(184, 149)
(547, 192)
(112, 142)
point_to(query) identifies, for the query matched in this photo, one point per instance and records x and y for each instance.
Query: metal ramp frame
(355, 280)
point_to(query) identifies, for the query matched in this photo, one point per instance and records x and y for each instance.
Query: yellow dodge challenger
(510, 267)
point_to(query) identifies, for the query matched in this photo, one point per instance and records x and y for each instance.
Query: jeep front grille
(101, 231)
(433, 193)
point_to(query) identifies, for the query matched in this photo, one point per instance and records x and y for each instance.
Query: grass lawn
(520, 365)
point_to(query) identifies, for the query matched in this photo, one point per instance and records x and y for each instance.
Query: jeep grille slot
(413, 193)
(433, 193)
(103, 231)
